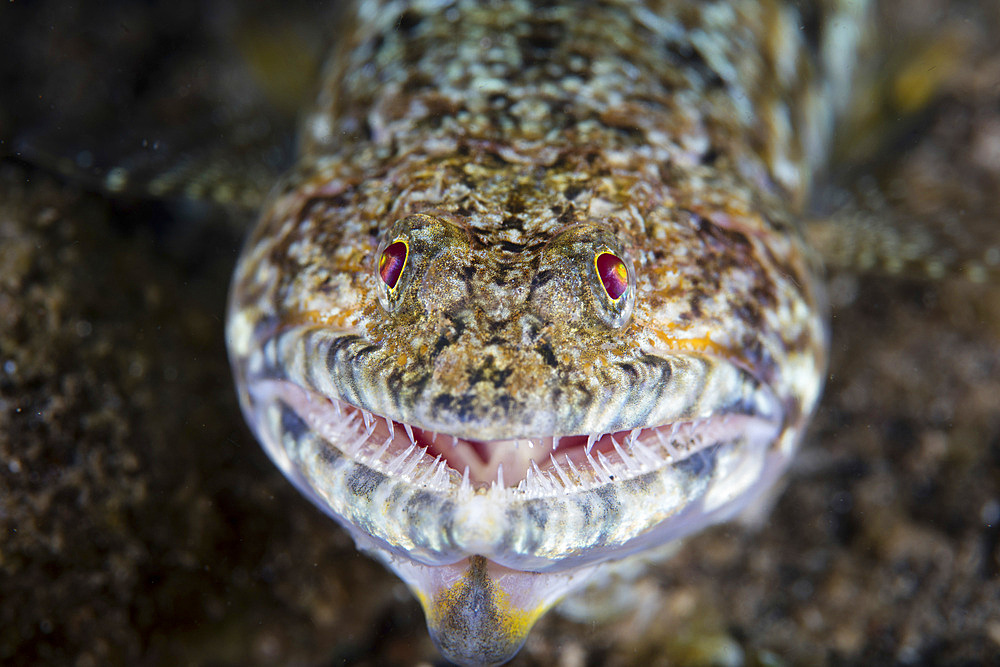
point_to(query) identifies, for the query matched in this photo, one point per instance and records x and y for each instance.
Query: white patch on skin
(239, 333)
(479, 521)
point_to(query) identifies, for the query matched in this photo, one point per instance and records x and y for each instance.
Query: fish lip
(674, 440)
(706, 391)
(428, 512)
(659, 387)
(650, 447)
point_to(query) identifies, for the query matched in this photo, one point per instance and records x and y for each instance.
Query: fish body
(534, 297)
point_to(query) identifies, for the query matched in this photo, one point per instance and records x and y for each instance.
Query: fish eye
(613, 274)
(392, 262)
(587, 265)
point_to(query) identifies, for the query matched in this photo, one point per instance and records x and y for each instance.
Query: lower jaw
(479, 611)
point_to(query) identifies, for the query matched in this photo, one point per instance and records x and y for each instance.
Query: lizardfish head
(495, 414)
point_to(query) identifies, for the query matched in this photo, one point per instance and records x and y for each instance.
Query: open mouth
(532, 465)
(541, 502)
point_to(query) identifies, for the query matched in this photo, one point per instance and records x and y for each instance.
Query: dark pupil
(390, 264)
(613, 274)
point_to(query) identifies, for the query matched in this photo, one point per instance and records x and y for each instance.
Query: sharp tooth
(606, 464)
(409, 433)
(532, 477)
(572, 466)
(591, 439)
(395, 464)
(555, 442)
(419, 473)
(633, 436)
(383, 449)
(454, 442)
(646, 455)
(671, 450)
(546, 486)
(313, 417)
(367, 416)
(431, 471)
(432, 475)
(500, 475)
(550, 483)
(426, 477)
(591, 461)
(352, 449)
(629, 462)
(441, 475)
(466, 485)
(389, 425)
(348, 429)
(595, 466)
(531, 443)
(543, 481)
(559, 471)
(336, 408)
(633, 464)
(411, 466)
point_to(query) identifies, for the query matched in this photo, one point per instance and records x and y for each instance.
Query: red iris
(613, 274)
(390, 264)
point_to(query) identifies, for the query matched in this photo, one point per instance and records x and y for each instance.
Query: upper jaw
(664, 410)
(634, 391)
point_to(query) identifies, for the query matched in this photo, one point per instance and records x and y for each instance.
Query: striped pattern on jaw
(616, 481)
(517, 523)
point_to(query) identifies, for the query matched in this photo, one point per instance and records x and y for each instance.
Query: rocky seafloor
(140, 523)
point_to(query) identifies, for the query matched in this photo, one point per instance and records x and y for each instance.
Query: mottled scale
(549, 253)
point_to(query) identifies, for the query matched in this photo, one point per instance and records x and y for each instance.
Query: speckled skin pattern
(507, 145)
